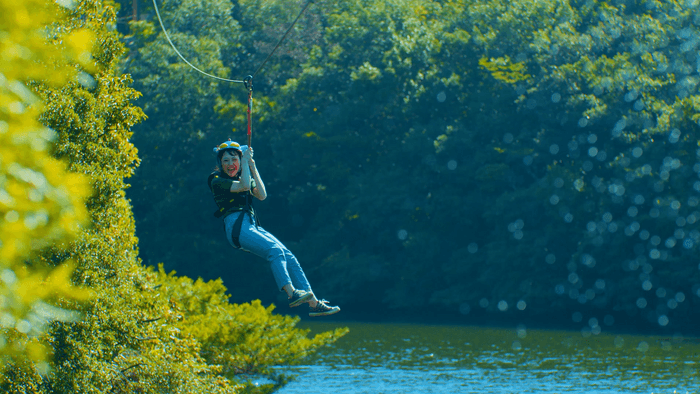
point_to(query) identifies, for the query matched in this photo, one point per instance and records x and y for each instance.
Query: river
(408, 358)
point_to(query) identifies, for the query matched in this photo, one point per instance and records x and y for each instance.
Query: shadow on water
(388, 358)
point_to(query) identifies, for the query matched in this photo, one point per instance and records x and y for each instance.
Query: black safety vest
(227, 202)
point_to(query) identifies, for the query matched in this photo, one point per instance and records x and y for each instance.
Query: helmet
(230, 145)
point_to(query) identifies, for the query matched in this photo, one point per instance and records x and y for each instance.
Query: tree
(41, 203)
(617, 141)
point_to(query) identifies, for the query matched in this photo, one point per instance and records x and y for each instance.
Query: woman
(234, 183)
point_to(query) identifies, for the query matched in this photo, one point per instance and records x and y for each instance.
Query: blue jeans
(256, 240)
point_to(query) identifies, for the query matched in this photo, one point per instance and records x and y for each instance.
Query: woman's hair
(220, 155)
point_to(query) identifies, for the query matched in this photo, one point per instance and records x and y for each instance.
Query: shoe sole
(301, 300)
(331, 312)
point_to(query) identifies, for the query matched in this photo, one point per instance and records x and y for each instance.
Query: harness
(224, 208)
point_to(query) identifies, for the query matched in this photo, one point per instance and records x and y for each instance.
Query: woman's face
(230, 163)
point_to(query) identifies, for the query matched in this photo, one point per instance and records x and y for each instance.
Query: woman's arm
(259, 190)
(243, 184)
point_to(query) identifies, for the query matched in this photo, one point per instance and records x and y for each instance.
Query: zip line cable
(283, 37)
(182, 57)
(248, 80)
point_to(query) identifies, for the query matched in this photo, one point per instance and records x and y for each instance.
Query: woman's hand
(251, 162)
(248, 155)
(259, 189)
(243, 185)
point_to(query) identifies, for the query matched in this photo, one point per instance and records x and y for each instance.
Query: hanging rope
(248, 81)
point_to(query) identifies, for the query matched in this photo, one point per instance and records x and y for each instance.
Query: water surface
(409, 358)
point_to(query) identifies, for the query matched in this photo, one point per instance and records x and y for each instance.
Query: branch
(144, 339)
(132, 366)
(150, 320)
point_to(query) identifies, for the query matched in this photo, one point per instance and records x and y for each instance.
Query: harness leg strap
(236, 230)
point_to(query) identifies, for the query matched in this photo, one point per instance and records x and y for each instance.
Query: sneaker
(322, 309)
(299, 297)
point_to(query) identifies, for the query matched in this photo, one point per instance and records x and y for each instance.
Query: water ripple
(395, 358)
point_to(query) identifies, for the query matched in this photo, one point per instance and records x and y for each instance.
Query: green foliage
(240, 338)
(613, 70)
(504, 70)
(41, 203)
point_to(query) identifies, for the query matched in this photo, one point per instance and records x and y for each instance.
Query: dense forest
(79, 312)
(478, 160)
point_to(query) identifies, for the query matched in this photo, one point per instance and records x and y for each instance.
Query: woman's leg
(293, 268)
(263, 244)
